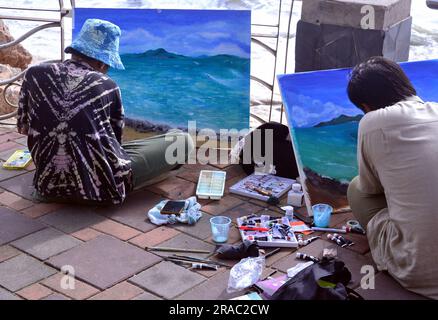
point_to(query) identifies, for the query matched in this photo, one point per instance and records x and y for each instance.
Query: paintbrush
(189, 260)
(166, 249)
(194, 259)
(195, 265)
(342, 210)
(272, 252)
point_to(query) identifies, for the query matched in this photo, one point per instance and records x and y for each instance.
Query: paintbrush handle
(193, 259)
(329, 230)
(176, 250)
(343, 210)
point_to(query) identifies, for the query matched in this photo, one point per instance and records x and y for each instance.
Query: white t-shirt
(398, 155)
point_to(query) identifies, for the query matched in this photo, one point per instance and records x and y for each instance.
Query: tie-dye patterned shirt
(74, 116)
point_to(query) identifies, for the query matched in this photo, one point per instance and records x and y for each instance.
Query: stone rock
(15, 56)
(12, 93)
(327, 46)
(349, 13)
(146, 126)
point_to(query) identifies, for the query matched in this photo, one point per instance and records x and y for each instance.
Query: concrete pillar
(342, 33)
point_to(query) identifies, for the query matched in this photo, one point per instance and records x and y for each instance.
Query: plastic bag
(246, 273)
(190, 215)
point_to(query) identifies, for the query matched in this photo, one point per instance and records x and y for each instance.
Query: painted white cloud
(211, 38)
(139, 40)
(307, 111)
(214, 35)
(138, 34)
(230, 48)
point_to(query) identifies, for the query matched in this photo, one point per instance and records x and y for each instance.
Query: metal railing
(257, 38)
(64, 12)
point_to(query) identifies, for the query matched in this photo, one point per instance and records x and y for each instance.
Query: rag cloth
(190, 214)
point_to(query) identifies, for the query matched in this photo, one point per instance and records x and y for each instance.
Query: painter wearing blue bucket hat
(99, 39)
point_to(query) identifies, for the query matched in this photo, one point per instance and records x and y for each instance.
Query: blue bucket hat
(99, 39)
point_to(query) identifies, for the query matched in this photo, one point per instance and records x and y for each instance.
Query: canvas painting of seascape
(324, 126)
(181, 65)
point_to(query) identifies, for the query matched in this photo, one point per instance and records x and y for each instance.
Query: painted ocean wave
(176, 89)
(329, 151)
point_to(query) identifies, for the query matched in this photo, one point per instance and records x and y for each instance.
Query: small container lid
(296, 187)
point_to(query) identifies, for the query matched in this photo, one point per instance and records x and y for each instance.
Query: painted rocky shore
(326, 190)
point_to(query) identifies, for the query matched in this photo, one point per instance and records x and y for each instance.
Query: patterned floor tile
(105, 261)
(14, 226)
(133, 211)
(46, 243)
(21, 185)
(71, 219)
(167, 280)
(22, 271)
(183, 241)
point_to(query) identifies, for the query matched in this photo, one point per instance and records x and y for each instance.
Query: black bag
(237, 252)
(283, 157)
(305, 286)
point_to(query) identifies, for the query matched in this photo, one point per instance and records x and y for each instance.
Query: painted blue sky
(187, 32)
(319, 96)
(315, 97)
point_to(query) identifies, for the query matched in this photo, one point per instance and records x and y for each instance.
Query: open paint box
(267, 231)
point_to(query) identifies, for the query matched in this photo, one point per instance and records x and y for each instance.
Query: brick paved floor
(106, 245)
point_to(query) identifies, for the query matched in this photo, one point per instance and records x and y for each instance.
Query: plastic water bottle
(290, 214)
(295, 196)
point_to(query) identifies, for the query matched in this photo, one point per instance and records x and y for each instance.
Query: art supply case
(278, 186)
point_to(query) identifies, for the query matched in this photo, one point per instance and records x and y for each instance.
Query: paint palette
(20, 159)
(211, 184)
(267, 231)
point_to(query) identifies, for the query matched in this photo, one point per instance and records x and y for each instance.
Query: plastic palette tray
(20, 159)
(277, 243)
(211, 184)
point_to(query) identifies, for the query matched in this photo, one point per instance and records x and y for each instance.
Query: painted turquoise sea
(325, 123)
(330, 150)
(175, 89)
(181, 66)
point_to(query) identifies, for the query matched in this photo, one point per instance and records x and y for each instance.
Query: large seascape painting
(324, 126)
(181, 65)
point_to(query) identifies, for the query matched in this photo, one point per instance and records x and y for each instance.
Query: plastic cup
(220, 227)
(321, 215)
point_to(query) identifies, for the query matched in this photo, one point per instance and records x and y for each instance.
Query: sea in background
(45, 45)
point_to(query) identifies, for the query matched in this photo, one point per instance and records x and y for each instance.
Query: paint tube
(308, 241)
(346, 241)
(201, 266)
(305, 257)
(336, 240)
